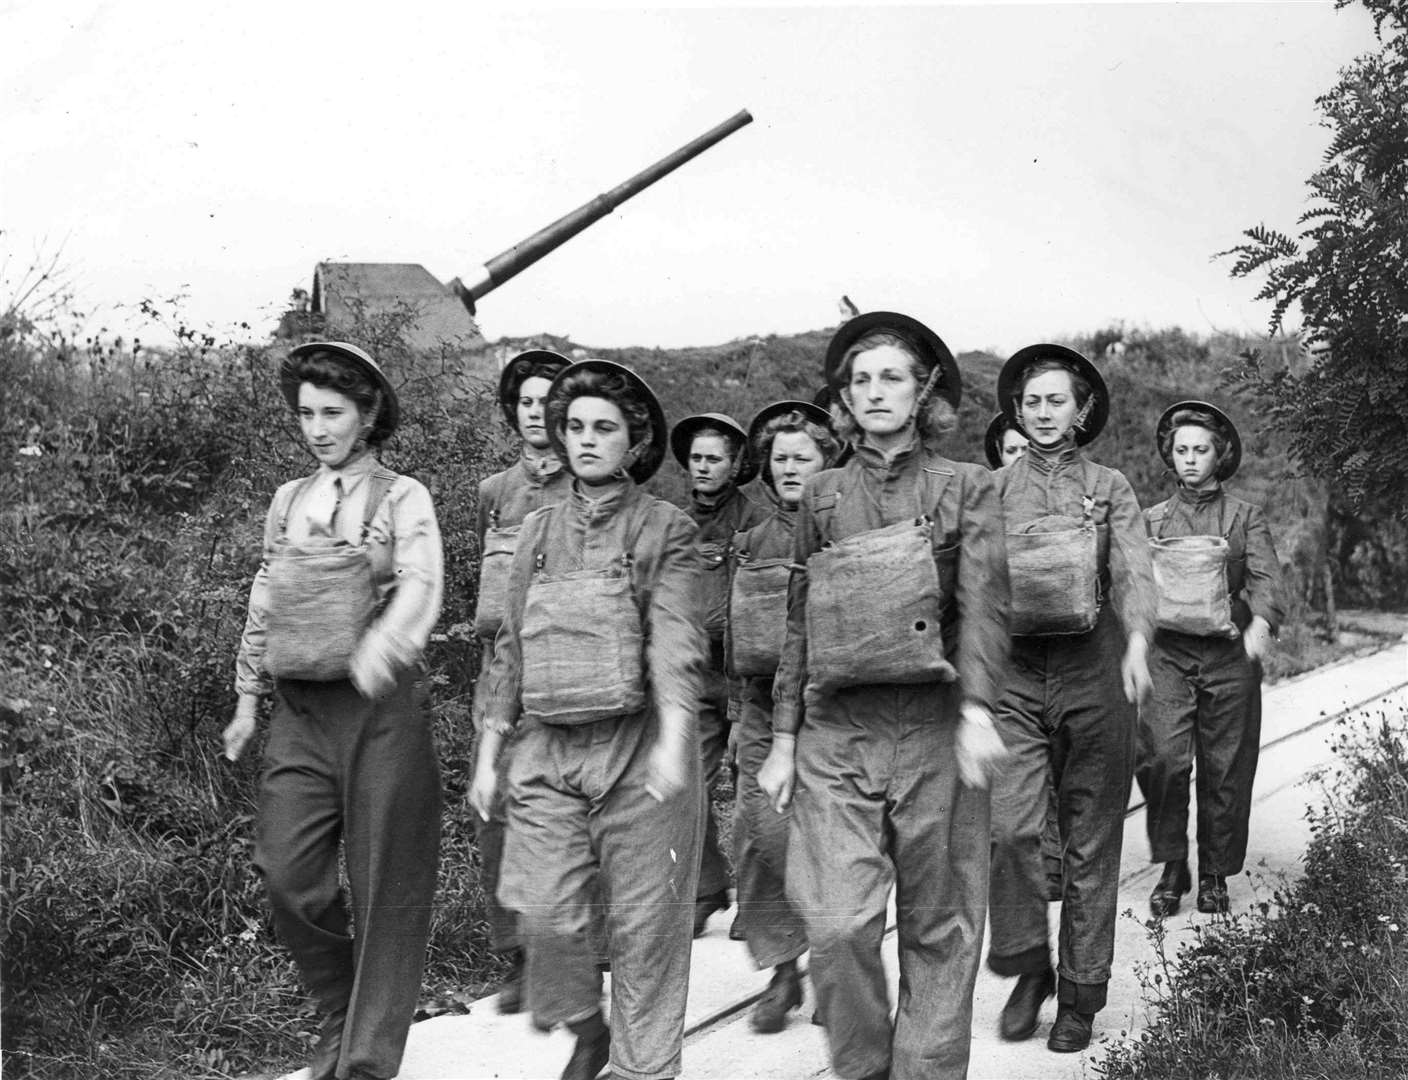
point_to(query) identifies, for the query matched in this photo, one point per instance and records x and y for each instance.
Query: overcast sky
(1007, 173)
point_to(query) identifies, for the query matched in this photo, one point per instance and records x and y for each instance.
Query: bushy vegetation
(136, 937)
(1315, 982)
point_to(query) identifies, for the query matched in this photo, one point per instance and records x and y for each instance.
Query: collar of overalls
(596, 504)
(1199, 498)
(1048, 459)
(877, 460)
(709, 505)
(540, 465)
(352, 471)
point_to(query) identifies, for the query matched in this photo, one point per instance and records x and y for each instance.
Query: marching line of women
(929, 676)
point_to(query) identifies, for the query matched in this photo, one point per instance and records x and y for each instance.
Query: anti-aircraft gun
(525, 253)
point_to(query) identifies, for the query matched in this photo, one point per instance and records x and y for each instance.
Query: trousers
(771, 923)
(341, 769)
(583, 832)
(879, 803)
(1064, 711)
(713, 741)
(1207, 707)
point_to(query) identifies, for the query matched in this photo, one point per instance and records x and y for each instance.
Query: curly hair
(609, 385)
(534, 369)
(330, 371)
(788, 423)
(1221, 437)
(938, 417)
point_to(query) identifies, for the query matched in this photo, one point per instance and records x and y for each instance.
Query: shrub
(1312, 984)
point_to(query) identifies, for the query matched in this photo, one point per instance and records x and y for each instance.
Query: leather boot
(511, 992)
(706, 906)
(593, 1049)
(783, 995)
(1212, 894)
(1071, 1032)
(1168, 893)
(328, 1048)
(1020, 1013)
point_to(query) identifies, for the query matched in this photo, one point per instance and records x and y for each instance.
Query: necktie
(322, 509)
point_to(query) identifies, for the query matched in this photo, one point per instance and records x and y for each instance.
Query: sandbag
(1190, 573)
(320, 596)
(582, 647)
(873, 610)
(1055, 579)
(757, 615)
(321, 600)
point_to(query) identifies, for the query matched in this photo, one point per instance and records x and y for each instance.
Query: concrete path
(1298, 717)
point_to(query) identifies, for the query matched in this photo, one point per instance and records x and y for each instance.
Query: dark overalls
(717, 520)
(582, 828)
(505, 499)
(1063, 712)
(771, 925)
(878, 797)
(1207, 693)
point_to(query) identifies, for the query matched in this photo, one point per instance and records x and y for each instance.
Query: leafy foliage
(1344, 404)
(1310, 984)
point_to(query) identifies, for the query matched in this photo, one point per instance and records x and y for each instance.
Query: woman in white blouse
(339, 616)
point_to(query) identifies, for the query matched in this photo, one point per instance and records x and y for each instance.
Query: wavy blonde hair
(935, 419)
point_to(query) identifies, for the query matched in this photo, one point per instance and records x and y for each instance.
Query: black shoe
(706, 906)
(328, 1048)
(1019, 1014)
(1168, 893)
(735, 929)
(1071, 1032)
(593, 1049)
(1212, 894)
(511, 992)
(783, 995)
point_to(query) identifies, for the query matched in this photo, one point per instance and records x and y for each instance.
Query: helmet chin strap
(632, 455)
(921, 400)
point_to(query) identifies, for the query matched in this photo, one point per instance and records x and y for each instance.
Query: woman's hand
(1134, 668)
(1256, 639)
(979, 748)
(778, 776)
(241, 729)
(485, 784)
(671, 757)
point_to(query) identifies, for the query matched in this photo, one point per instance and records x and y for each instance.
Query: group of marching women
(930, 676)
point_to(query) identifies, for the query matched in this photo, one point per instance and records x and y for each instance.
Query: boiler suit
(581, 824)
(1207, 693)
(771, 924)
(505, 499)
(716, 519)
(1064, 709)
(878, 796)
(339, 767)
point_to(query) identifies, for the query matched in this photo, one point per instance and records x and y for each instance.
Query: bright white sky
(1007, 173)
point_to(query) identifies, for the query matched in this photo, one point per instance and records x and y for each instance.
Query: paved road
(1297, 722)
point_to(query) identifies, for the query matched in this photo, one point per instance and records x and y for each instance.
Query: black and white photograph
(752, 542)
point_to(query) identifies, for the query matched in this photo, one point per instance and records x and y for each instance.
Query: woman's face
(1014, 445)
(1195, 456)
(795, 456)
(531, 411)
(332, 423)
(882, 391)
(596, 438)
(710, 464)
(1048, 407)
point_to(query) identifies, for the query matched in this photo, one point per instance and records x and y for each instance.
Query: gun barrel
(525, 253)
